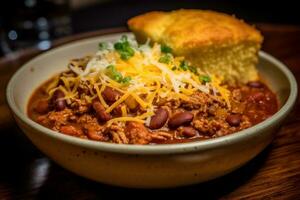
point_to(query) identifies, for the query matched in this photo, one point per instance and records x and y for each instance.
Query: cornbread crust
(218, 43)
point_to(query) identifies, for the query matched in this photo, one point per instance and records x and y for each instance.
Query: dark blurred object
(28, 23)
(24, 20)
(115, 13)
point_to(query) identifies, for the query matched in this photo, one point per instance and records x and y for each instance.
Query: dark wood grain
(25, 173)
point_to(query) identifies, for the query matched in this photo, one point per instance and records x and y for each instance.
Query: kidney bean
(58, 100)
(100, 112)
(179, 119)
(234, 119)
(255, 84)
(159, 119)
(110, 94)
(188, 131)
(42, 106)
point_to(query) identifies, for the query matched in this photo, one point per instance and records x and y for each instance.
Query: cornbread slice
(217, 43)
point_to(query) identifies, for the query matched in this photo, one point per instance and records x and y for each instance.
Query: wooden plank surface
(25, 173)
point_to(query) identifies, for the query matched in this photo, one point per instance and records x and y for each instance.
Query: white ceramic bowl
(149, 166)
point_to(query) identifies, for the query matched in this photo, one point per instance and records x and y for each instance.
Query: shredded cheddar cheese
(100, 95)
(124, 111)
(137, 72)
(124, 119)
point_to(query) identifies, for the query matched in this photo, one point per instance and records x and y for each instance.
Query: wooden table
(25, 173)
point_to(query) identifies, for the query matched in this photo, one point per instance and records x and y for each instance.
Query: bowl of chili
(146, 166)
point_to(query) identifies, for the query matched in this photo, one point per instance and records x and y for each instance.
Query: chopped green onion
(102, 45)
(111, 68)
(124, 49)
(124, 38)
(165, 49)
(113, 73)
(193, 70)
(174, 68)
(166, 58)
(205, 79)
(126, 80)
(184, 65)
(117, 76)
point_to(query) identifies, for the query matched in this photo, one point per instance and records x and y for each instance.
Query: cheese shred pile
(142, 74)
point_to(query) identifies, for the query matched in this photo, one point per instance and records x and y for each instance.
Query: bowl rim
(162, 148)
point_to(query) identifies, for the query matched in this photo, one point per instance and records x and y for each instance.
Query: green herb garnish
(117, 76)
(126, 80)
(184, 65)
(102, 46)
(113, 73)
(174, 68)
(165, 49)
(193, 70)
(205, 79)
(124, 49)
(166, 58)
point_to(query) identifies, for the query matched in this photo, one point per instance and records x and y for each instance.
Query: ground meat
(237, 104)
(80, 106)
(86, 119)
(169, 103)
(137, 133)
(160, 136)
(83, 89)
(202, 116)
(218, 127)
(246, 123)
(55, 119)
(92, 129)
(216, 111)
(207, 126)
(199, 101)
(236, 95)
(117, 134)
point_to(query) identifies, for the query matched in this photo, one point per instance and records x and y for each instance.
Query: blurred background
(36, 23)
